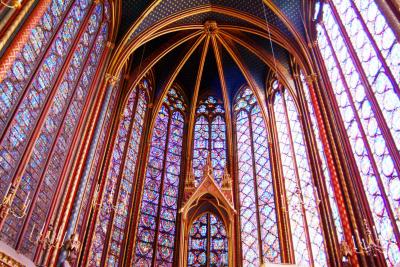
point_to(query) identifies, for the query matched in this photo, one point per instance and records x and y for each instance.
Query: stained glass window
(48, 112)
(208, 243)
(87, 187)
(97, 149)
(361, 56)
(324, 165)
(18, 69)
(156, 232)
(22, 122)
(258, 221)
(301, 198)
(117, 194)
(209, 135)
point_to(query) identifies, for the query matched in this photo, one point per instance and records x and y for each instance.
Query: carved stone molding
(8, 261)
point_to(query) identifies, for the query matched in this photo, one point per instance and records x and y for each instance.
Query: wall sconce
(368, 246)
(6, 204)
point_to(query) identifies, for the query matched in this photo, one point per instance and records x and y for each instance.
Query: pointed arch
(258, 218)
(209, 137)
(155, 240)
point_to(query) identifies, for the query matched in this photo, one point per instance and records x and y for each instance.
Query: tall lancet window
(324, 165)
(155, 240)
(112, 222)
(43, 95)
(301, 198)
(209, 135)
(208, 243)
(258, 220)
(361, 56)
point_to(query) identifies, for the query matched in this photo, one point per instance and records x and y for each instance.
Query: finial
(190, 181)
(226, 180)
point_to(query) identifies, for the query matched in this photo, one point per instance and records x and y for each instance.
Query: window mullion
(377, 50)
(35, 68)
(119, 182)
(255, 187)
(170, 118)
(38, 130)
(364, 137)
(208, 263)
(391, 145)
(209, 118)
(300, 193)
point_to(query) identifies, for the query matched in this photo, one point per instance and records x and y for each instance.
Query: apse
(199, 133)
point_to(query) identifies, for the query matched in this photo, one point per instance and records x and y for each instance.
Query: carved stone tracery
(207, 197)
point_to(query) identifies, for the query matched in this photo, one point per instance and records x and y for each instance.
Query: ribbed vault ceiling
(209, 46)
(133, 9)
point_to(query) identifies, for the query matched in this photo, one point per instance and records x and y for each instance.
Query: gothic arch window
(258, 220)
(16, 74)
(42, 99)
(87, 192)
(208, 243)
(209, 135)
(301, 197)
(92, 166)
(112, 222)
(360, 53)
(334, 209)
(155, 240)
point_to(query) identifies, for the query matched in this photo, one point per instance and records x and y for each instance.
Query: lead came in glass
(257, 205)
(155, 241)
(208, 243)
(367, 106)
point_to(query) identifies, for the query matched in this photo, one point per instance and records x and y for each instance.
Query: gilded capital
(111, 79)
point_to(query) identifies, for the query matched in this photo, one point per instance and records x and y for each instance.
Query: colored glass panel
(305, 223)
(198, 242)
(114, 169)
(51, 148)
(259, 233)
(360, 53)
(208, 243)
(15, 137)
(25, 61)
(93, 161)
(218, 242)
(157, 221)
(209, 135)
(201, 144)
(118, 191)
